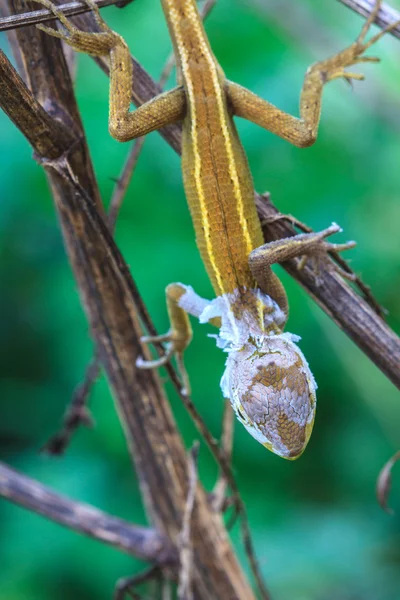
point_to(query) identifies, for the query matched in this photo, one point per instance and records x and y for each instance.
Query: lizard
(266, 378)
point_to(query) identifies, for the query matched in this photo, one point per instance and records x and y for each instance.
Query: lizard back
(217, 178)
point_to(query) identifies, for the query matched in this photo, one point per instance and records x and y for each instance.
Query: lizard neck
(217, 179)
(245, 315)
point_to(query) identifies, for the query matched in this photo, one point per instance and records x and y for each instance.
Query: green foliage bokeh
(317, 527)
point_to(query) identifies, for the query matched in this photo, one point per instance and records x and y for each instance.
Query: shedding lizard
(266, 377)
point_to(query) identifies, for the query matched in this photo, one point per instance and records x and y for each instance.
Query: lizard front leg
(303, 131)
(124, 125)
(180, 333)
(182, 301)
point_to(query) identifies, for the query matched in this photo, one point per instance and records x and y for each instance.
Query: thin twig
(166, 589)
(77, 413)
(206, 8)
(225, 467)
(142, 542)
(127, 584)
(185, 543)
(123, 182)
(44, 15)
(219, 491)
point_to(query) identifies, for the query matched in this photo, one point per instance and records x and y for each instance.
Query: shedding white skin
(266, 378)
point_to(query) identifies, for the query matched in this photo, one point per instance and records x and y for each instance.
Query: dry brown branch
(386, 14)
(108, 291)
(228, 421)
(185, 541)
(41, 131)
(44, 15)
(143, 542)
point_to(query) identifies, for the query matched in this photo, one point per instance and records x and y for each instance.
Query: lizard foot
(174, 347)
(319, 252)
(95, 44)
(335, 67)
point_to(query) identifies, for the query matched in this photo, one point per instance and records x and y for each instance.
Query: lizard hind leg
(96, 13)
(178, 337)
(95, 44)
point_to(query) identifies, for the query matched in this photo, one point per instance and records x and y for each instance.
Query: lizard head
(272, 392)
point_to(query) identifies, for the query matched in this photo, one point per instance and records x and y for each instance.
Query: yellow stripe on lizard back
(217, 179)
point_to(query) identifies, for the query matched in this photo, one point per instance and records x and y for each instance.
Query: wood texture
(106, 290)
(143, 542)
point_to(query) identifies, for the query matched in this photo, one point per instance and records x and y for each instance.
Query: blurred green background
(318, 530)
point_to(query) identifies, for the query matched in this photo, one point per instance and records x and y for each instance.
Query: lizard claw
(319, 253)
(335, 67)
(95, 44)
(172, 348)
